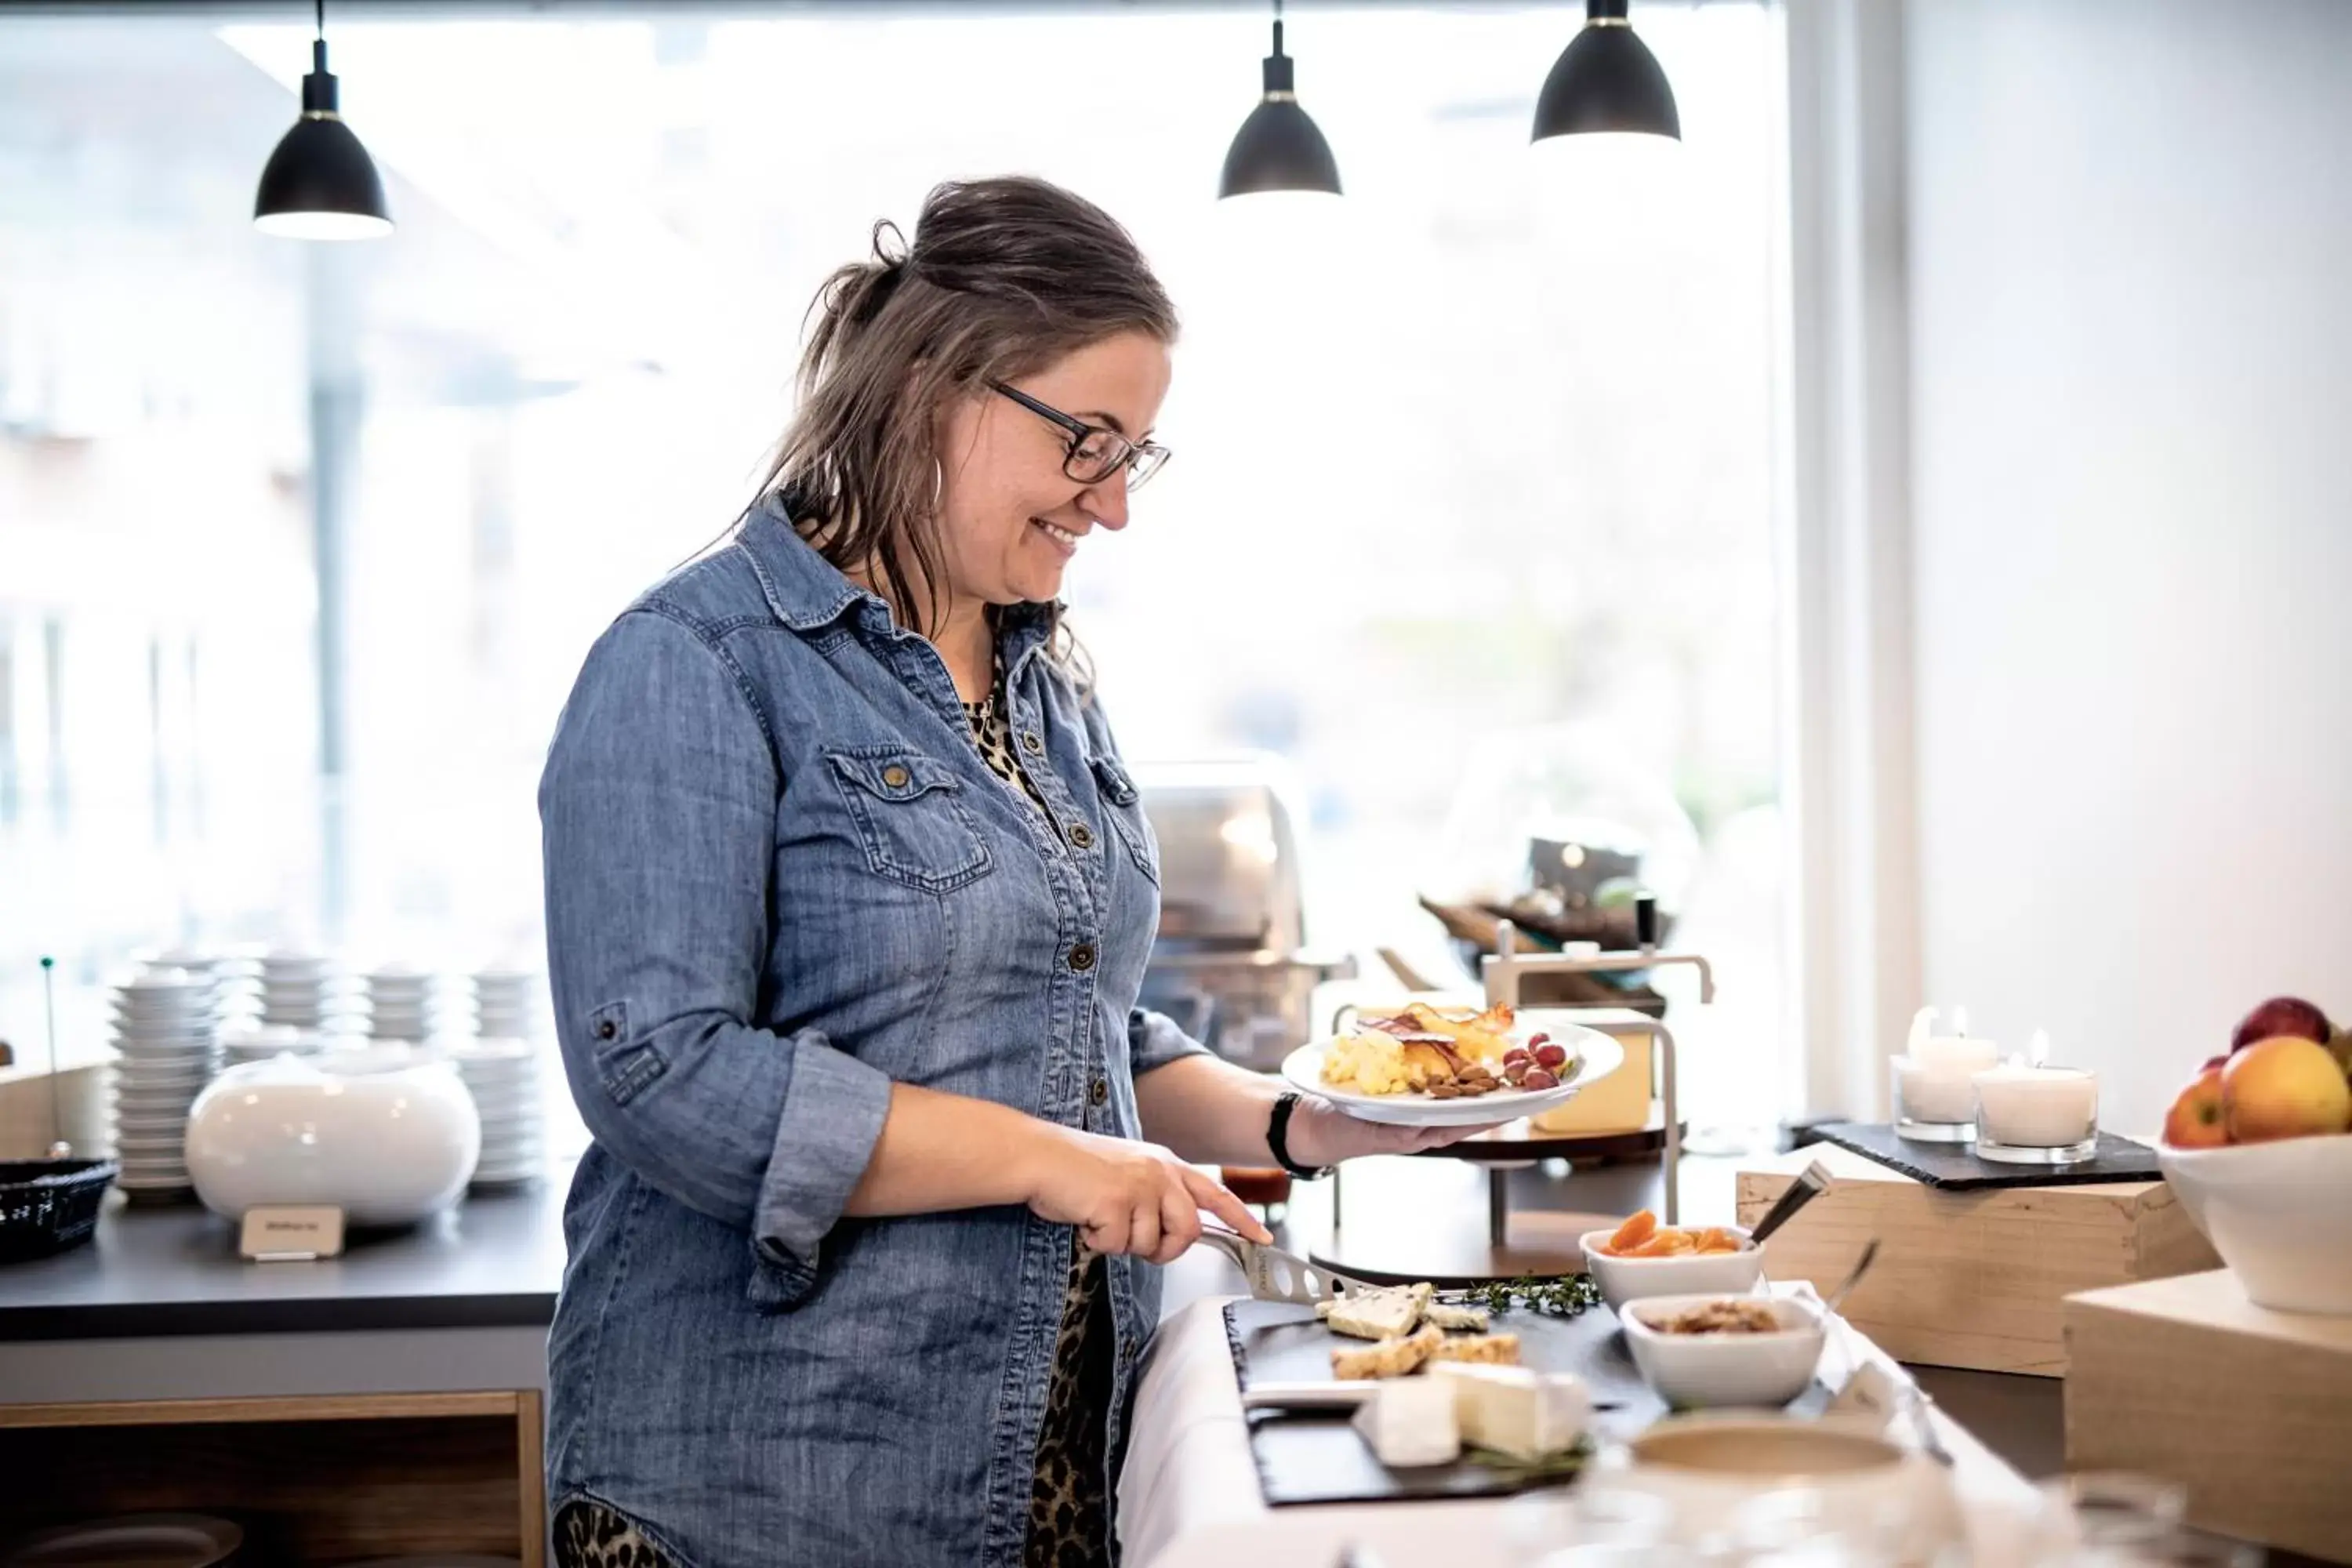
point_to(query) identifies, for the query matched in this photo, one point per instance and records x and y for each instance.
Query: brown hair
(1004, 276)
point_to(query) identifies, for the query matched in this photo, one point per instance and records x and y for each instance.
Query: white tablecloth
(1189, 1495)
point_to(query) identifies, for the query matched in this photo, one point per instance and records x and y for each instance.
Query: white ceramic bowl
(1710, 1468)
(1697, 1372)
(388, 1138)
(2280, 1214)
(1623, 1279)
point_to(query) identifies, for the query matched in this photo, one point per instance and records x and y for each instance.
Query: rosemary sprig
(1567, 1296)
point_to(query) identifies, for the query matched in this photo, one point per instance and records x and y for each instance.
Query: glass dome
(1558, 827)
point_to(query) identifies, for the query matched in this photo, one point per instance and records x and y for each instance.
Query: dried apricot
(1715, 1238)
(1666, 1243)
(1634, 1232)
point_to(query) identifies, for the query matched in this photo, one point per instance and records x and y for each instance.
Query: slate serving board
(1955, 1168)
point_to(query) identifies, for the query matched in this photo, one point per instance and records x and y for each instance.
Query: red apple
(2284, 1086)
(2196, 1120)
(2281, 1016)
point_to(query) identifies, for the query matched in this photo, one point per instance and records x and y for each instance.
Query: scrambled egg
(1370, 1063)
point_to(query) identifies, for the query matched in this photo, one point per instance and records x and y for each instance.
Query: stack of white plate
(265, 1042)
(504, 1075)
(167, 1033)
(145, 1540)
(302, 991)
(507, 1005)
(401, 1004)
(215, 969)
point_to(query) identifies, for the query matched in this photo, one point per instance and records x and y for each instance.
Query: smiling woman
(849, 896)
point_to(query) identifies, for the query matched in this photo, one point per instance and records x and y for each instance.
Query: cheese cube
(1516, 1410)
(1379, 1314)
(1411, 1422)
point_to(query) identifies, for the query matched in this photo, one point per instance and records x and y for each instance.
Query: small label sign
(291, 1235)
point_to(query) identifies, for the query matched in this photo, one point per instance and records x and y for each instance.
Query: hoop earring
(939, 485)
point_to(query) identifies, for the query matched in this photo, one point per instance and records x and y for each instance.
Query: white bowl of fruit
(2259, 1147)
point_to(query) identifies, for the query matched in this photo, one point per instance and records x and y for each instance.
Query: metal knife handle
(1810, 1182)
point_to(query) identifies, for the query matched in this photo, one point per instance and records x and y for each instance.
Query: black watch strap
(1277, 1138)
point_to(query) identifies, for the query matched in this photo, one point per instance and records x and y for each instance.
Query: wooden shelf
(312, 1481)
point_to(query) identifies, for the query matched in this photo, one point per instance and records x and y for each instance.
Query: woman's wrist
(1306, 1137)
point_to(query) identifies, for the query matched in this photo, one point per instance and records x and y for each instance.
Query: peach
(2196, 1120)
(1634, 1232)
(2284, 1086)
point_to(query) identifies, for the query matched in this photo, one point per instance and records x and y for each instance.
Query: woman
(848, 899)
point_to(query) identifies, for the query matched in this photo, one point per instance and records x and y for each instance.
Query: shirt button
(1082, 957)
(1030, 743)
(607, 1029)
(895, 776)
(1100, 1092)
(1082, 836)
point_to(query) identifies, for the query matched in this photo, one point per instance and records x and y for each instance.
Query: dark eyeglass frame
(1141, 460)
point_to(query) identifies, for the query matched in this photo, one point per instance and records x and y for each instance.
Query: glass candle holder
(2037, 1115)
(1935, 1092)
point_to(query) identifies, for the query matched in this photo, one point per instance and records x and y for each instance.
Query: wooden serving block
(1973, 1279)
(2248, 1408)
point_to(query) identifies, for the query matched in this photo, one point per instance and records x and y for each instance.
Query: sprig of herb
(1552, 1467)
(1567, 1296)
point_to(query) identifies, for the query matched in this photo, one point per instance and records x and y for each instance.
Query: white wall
(2130, 282)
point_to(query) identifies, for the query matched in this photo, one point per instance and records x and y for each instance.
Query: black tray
(1955, 1168)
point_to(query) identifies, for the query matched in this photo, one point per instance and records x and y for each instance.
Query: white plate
(132, 1540)
(1596, 1056)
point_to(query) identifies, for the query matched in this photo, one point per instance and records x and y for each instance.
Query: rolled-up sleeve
(657, 813)
(1153, 1040)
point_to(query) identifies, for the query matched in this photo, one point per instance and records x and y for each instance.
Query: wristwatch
(1277, 1140)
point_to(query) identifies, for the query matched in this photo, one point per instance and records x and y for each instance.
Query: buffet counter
(389, 1401)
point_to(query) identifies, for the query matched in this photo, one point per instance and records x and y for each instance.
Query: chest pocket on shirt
(908, 811)
(1121, 804)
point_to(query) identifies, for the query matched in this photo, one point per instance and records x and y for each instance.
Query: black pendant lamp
(320, 184)
(1606, 81)
(1279, 148)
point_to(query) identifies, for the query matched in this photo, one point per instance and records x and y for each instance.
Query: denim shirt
(780, 879)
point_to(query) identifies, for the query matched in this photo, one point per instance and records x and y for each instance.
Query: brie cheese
(1528, 1415)
(1411, 1422)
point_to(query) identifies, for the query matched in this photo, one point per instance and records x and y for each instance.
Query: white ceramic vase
(388, 1135)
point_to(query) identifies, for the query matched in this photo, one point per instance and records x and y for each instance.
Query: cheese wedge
(1492, 1350)
(1388, 1358)
(1411, 1421)
(1379, 1314)
(1530, 1416)
(1451, 1316)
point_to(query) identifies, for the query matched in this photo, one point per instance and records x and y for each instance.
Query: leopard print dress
(1069, 1501)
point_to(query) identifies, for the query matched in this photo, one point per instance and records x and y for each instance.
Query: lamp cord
(322, 20)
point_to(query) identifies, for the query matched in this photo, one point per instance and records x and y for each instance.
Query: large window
(1473, 464)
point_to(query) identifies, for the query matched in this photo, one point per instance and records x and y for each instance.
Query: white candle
(1935, 1083)
(2037, 1107)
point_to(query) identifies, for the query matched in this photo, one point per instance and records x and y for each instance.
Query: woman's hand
(1127, 1196)
(1322, 1134)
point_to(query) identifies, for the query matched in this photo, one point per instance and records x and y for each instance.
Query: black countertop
(494, 1261)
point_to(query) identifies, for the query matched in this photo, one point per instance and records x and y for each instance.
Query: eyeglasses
(1095, 454)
